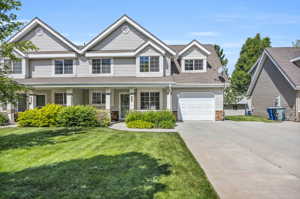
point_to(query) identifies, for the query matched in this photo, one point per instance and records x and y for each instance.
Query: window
(60, 98)
(149, 64)
(22, 103)
(193, 64)
(98, 98)
(150, 100)
(101, 66)
(16, 67)
(63, 66)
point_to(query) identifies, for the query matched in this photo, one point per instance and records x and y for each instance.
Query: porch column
(11, 112)
(32, 101)
(69, 97)
(107, 98)
(169, 98)
(131, 98)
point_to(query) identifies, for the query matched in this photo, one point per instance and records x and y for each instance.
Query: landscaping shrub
(3, 119)
(160, 119)
(78, 116)
(29, 118)
(139, 124)
(103, 117)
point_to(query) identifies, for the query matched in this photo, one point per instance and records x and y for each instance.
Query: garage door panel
(195, 107)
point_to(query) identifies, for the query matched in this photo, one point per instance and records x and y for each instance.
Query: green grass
(251, 118)
(98, 163)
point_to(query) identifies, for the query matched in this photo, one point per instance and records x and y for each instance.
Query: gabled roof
(281, 58)
(32, 24)
(192, 44)
(115, 25)
(295, 59)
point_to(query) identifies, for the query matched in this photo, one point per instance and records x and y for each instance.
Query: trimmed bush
(103, 117)
(78, 116)
(166, 124)
(29, 118)
(139, 124)
(160, 119)
(3, 119)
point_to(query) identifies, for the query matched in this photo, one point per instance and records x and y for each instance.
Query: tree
(296, 44)
(250, 52)
(222, 56)
(9, 25)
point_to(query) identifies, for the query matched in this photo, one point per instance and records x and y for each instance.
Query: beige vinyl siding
(217, 92)
(41, 68)
(118, 40)
(193, 52)
(124, 66)
(45, 41)
(84, 66)
(269, 85)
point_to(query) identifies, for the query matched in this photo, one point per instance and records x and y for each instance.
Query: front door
(124, 105)
(40, 100)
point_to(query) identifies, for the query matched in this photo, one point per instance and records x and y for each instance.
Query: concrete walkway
(122, 127)
(247, 160)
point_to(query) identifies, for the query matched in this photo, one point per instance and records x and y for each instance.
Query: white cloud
(204, 34)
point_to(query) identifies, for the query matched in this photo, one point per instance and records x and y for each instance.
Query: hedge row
(53, 115)
(150, 119)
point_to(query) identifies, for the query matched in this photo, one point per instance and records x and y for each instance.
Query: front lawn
(97, 163)
(251, 118)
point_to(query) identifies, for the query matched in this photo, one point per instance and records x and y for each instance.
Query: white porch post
(10, 112)
(169, 98)
(131, 98)
(32, 101)
(107, 98)
(69, 97)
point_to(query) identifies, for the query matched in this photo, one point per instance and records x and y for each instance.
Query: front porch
(116, 100)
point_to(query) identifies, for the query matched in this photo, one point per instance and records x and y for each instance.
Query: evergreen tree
(296, 44)
(222, 56)
(250, 52)
(9, 25)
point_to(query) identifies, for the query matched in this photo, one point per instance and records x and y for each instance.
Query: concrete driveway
(247, 159)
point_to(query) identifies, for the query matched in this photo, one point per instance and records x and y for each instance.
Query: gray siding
(269, 85)
(45, 41)
(41, 68)
(118, 40)
(124, 66)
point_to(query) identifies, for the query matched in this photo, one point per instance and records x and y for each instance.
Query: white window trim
(139, 91)
(20, 75)
(91, 91)
(194, 71)
(45, 94)
(59, 91)
(101, 74)
(150, 74)
(64, 75)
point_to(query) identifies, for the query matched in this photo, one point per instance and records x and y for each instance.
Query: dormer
(193, 58)
(296, 61)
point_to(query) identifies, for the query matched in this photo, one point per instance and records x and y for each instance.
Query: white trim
(149, 43)
(53, 92)
(123, 54)
(116, 25)
(42, 93)
(295, 59)
(191, 85)
(19, 52)
(149, 74)
(19, 75)
(101, 74)
(64, 75)
(45, 55)
(120, 103)
(194, 43)
(139, 91)
(91, 91)
(194, 58)
(259, 68)
(35, 22)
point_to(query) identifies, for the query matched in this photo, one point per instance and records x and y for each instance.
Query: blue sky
(227, 23)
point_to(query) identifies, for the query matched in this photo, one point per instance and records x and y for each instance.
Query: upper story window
(98, 98)
(16, 67)
(64, 66)
(60, 98)
(101, 66)
(193, 65)
(149, 64)
(150, 100)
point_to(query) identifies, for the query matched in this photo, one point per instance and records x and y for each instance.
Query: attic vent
(39, 31)
(125, 29)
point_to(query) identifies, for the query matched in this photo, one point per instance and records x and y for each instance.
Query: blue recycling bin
(272, 113)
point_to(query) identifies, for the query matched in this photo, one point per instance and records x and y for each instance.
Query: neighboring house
(239, 108)
(276, 82)
(123, 68)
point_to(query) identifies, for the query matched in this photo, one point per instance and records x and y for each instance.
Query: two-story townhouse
(123, 68)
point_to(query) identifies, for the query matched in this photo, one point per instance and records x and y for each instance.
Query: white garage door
(196, 106)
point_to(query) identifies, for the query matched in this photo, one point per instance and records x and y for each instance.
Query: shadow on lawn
(41, 137)
(130, 175)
